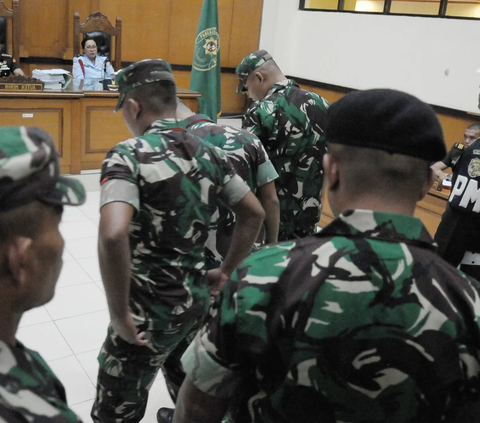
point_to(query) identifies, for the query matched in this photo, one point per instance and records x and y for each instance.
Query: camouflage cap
(30, 170)
(388, 120)
(248, 65)
(141, 73)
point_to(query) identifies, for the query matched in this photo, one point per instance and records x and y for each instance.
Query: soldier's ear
(133, 107)
(330, 166)
(18, 257)
(428, 183)
(259, 77)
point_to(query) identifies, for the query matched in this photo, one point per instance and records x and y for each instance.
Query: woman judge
(90, 65)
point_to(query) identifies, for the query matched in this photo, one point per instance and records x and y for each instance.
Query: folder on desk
(54, 79)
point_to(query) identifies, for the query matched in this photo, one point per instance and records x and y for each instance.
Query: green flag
(205, 76)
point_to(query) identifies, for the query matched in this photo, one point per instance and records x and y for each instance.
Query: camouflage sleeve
(234, 190)
(29, 390)
(121, 163)
(260, 120)
(238, 331)
(233, 187)
(266, 171)
(120, 190)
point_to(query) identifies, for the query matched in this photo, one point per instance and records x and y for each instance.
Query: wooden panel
(145, 27)
(53, 116)
(83, 7)
(183, 31)
(47, 23)
(454, 127)
(245, 30)
(231, 101)
(101, 130)
(225, 19)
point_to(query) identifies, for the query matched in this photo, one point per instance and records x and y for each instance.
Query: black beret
(387, 120)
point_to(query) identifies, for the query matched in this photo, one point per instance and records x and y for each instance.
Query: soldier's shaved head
(394, 177)
(158, 97)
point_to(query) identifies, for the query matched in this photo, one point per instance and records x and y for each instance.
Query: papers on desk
(54, 79)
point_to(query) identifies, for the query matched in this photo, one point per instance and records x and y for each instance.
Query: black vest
(465, 194)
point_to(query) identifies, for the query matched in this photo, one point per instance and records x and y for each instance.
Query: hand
(125, 328)
(216, 279)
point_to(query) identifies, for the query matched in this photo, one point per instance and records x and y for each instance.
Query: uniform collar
(164, 124)
(286, 83)
(192, 120)
(382, 226)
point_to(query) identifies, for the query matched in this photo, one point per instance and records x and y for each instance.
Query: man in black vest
(459, 230)
(8, 65)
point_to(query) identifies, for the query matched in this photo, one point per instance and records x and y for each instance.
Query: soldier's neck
(8, 326)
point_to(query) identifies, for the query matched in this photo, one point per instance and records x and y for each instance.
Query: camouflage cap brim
(30, 170)
(241, 85)
(120, 101)
(250, 63)
(67, 192)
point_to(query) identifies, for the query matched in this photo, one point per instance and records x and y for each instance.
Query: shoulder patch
(458, 145)
(474, 168)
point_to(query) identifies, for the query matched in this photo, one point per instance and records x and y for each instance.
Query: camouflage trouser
(127, 372)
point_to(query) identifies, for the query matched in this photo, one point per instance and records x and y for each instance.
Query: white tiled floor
(69, 330)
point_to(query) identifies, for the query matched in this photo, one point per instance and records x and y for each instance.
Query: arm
(269, 201)
(250, 215)
(115, 266)
(77, 70)
(438, 168)
(110, 71)
(195, 406)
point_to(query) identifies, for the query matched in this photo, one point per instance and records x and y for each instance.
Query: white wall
(376, 51)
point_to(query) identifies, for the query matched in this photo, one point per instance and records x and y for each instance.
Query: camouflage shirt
(290, 124)
(173, 180)
(361, 322)
(29, 390)
(251, 162)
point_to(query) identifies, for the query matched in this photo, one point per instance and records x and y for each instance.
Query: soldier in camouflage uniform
(290, 124)
(159, 191)
(32, 195)
(251, 162)
(361, 322)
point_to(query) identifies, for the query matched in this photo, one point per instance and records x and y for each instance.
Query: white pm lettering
(469, 192)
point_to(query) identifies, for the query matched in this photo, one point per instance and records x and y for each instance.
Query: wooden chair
(11, 15)
(98, 23)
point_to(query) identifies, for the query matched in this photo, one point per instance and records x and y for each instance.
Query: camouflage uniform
(251, 162)
(361, 322)
(290, 124)
(173, 180)
(459, 229)
(29, 391)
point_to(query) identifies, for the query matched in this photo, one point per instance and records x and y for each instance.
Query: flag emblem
(207, 46)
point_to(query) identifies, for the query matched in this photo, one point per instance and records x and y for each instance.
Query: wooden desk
(82, 123)
(429, 210)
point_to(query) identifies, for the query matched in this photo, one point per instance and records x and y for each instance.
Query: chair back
(98, 27)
